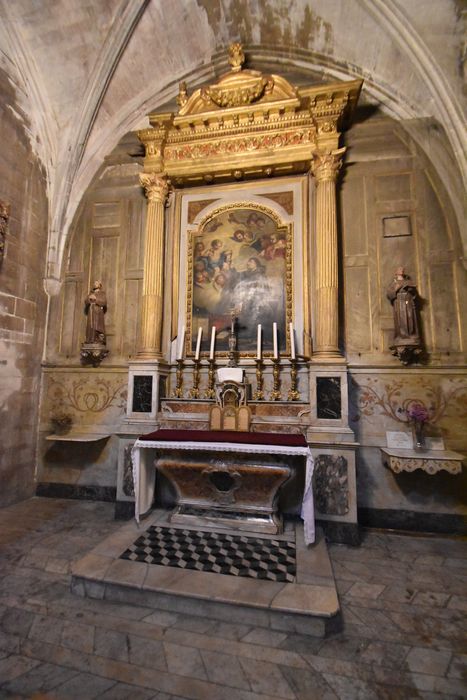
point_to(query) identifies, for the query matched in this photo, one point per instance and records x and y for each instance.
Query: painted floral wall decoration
(396, 399)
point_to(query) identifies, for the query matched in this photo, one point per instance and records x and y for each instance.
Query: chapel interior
(232, 304)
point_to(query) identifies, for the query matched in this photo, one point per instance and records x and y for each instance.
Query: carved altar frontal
(237, 489)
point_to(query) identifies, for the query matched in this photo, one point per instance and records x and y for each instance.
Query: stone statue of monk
(95, 306)
(402, 293)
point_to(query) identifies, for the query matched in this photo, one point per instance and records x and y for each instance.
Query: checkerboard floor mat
(220, 553)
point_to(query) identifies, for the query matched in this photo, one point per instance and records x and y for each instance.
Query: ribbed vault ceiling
(87, 72)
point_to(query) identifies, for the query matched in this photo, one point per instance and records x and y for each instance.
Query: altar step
(296, 597)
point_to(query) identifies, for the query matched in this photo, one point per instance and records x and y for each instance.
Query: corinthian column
(325, 169)
(150, 332)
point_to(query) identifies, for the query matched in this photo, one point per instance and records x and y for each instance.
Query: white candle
(274, 340)
(292, 342)
(198, 343)
(181, 344)
(258, 351)
(213, 340)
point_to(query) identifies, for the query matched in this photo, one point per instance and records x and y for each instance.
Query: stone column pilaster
(325, 168)
(150, 331)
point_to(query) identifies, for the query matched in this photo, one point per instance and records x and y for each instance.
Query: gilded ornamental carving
(247, 124)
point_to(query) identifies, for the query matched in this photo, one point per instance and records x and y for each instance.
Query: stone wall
(22, 299)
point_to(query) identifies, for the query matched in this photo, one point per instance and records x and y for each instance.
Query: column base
(149, 355)
(332, 356)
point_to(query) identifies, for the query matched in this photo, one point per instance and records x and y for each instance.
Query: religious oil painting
(240, 263)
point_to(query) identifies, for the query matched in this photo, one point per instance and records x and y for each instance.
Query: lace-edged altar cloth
(144, 473)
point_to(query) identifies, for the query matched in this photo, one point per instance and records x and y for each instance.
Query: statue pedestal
(93, 353)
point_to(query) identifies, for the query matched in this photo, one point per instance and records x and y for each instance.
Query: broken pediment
(238, 88)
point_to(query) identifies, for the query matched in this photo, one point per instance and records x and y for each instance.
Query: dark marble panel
(328, 397)
(331, 484)
(341, 533)
(80, 492)
(142, 393)
(124, 510)
(444, 523)
(127, 478)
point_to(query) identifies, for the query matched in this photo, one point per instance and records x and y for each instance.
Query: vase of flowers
(418, 417)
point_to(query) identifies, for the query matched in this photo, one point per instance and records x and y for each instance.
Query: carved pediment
(238, 88)
(247, 124)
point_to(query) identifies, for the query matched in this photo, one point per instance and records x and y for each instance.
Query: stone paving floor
(404, 600)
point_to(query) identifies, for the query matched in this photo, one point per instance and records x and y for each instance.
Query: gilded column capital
(156, 186)
(326, 165)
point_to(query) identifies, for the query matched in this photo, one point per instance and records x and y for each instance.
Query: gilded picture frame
(239, 257)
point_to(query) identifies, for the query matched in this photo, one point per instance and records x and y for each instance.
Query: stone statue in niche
(403, 295)
(93, 349)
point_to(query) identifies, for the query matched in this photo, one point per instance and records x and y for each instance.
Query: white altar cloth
(144, 472)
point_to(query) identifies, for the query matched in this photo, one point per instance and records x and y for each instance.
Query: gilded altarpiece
(243, 248)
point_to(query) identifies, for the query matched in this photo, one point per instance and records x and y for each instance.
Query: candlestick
(198, 343)
(274, 340)
(210, 393)
(276, 393)
(292, 342)
(194, 391)
(213, 340)
(293, 394)
(178, 393)
(258, 351)
(259, 393)
(181, 344)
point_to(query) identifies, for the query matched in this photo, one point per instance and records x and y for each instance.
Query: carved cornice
(247, 125)
(156, 186)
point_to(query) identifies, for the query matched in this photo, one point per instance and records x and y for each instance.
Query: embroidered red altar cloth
(144, 473)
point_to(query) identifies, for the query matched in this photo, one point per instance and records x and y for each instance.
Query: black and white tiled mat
(220, 553)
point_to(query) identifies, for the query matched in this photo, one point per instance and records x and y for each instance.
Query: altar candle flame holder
(294, 394)
(178, 393)
(259, 393)
(276, 368)
(210, 393)
(194, 391)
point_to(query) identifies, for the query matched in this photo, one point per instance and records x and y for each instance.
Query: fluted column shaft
(150, 331)
(326, 304)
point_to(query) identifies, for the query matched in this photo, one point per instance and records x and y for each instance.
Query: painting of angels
(240, 259)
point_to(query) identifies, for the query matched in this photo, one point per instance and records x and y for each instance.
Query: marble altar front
(222, 475)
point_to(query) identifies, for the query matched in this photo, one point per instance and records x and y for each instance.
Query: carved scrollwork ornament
(156, 186)
(236, 56)
(182, 97)
(326, 166)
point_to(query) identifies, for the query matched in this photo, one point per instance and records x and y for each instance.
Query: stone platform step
(309, 605)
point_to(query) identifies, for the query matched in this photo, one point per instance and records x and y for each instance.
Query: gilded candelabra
(293, 394)
(178, 393)
(276, 368)
(210, 393)
(194, 391)
(259, 393)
